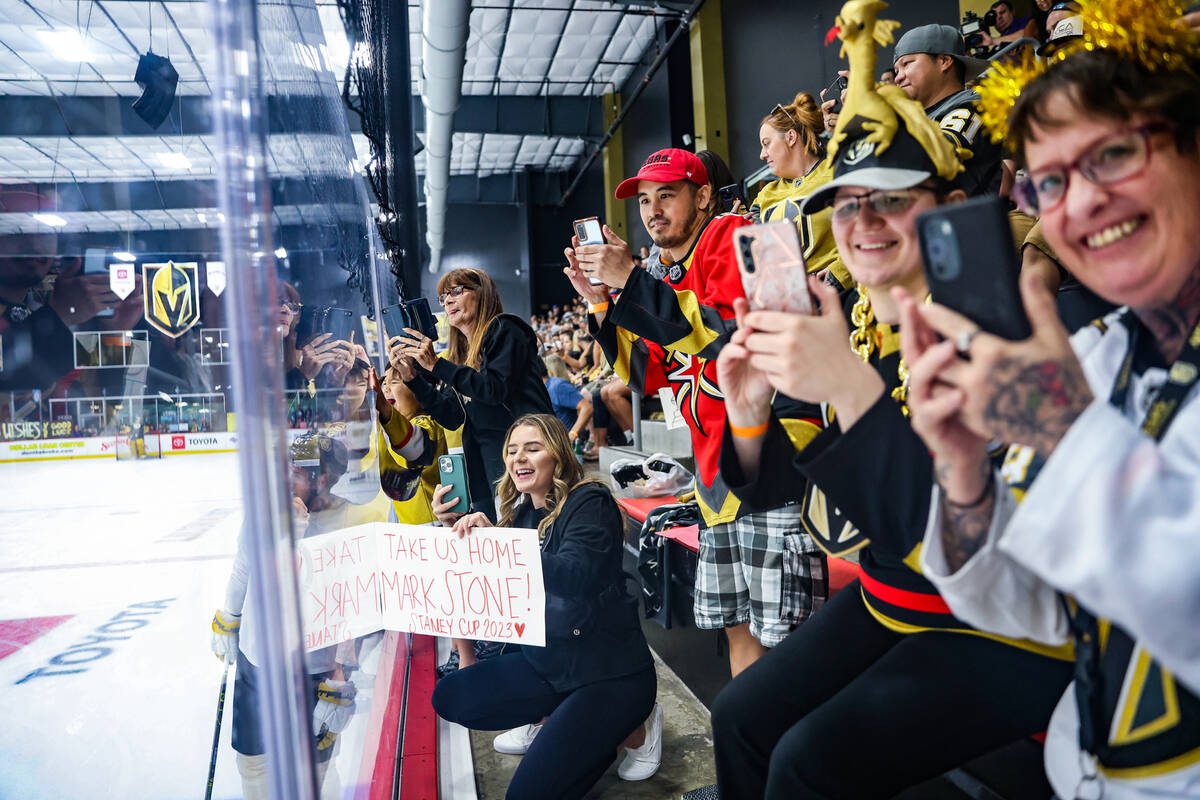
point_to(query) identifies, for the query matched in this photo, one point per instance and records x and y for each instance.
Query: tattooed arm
(1034, 403)
(965, 523)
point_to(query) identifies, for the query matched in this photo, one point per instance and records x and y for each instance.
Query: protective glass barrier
(189, 277)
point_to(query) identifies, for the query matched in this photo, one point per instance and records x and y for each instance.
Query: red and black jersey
(668, 333)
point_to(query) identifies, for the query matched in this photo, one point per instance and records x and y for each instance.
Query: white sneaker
(516, 742)
(642, 762)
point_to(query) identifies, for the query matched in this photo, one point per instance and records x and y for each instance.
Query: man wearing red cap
(667, 334)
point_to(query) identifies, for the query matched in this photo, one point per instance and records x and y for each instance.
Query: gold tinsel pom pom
(1146, 31)
(1000, 88)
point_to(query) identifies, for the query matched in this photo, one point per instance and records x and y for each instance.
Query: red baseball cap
(665, 166)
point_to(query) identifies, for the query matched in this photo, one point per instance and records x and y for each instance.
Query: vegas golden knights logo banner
(172, 296)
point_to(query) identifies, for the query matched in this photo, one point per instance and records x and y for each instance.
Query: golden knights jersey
(780, 199)
(960, 122)
(1148, 723)
(867, 490)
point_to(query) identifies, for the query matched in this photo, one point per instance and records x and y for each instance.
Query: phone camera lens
(747, 256)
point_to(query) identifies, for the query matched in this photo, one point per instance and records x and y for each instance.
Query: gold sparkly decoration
(1146, 31)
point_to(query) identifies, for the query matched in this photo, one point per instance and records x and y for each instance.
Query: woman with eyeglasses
(791, 142)
(490, 375)
(1103, 547)
(885, 687)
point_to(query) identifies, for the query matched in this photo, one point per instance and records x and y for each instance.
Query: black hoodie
(486, 401)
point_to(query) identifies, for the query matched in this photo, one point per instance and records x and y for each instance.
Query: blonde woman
(594, 682)
(790, 137)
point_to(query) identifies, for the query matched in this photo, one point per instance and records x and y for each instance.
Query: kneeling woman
(594, 682)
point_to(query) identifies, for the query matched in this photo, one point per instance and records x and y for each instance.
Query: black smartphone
(972, 266)
(340, 323)
(731, 194)
(834, 92)
(415, 314)
(309, 324)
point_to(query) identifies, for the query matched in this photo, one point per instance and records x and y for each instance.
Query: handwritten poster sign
(339, 594)
(487, 585)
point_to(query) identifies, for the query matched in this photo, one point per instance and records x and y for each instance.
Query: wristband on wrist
(748, 431)
(984, 495)
(595, 308)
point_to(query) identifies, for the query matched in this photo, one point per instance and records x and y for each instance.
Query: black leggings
(579, 739)
(845, 708)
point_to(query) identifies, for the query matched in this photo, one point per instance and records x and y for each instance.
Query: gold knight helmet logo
(172, 296)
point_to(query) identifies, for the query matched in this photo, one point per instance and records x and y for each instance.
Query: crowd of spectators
(1060, 467)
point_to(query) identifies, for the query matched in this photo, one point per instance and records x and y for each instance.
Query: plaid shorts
(763, 569)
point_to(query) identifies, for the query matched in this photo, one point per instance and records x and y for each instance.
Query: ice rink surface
(110, 575)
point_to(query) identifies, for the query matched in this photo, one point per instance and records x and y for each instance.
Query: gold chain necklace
(862, 342)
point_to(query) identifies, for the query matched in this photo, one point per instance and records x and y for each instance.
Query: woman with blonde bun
(791, 142)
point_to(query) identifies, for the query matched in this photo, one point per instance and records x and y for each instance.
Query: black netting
(365, 92)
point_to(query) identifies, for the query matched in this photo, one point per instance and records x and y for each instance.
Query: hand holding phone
(452, 469)
(415, 314)
(588, 231)
(834, 92)
(774, 275)
(972, 266)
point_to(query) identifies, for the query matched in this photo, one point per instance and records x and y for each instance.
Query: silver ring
(962, 342)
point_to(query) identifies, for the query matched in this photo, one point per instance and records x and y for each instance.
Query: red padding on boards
(418, 767)
(383, 728)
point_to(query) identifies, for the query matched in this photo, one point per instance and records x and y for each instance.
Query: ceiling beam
(547, 115)
(150, 195)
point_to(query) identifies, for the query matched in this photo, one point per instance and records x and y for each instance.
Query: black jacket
(507, 384)
(581, 561)
(486, 401)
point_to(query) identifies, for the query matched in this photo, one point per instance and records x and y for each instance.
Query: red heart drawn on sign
(520, 626)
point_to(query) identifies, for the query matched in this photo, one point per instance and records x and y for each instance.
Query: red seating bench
(841, 572)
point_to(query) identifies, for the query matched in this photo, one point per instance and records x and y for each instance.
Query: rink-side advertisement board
(107, 446)
(53, 449)
(389, 576)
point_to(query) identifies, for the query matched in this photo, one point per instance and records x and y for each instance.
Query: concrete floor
(687, 752)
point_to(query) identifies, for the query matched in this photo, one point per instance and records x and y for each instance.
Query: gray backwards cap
(937, 40)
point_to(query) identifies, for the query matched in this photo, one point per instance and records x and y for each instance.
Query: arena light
(53, 220)
(122, 255)
(280, 252)
(173, 160)
(67, 45)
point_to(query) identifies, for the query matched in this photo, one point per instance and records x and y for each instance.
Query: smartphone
(340, 323)
(972, 266)
(453, 470)
(834, 92)
(309, 324)
(95, 262)
(588, 232)
(731, 194)
(414, 314)
(774, 275)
